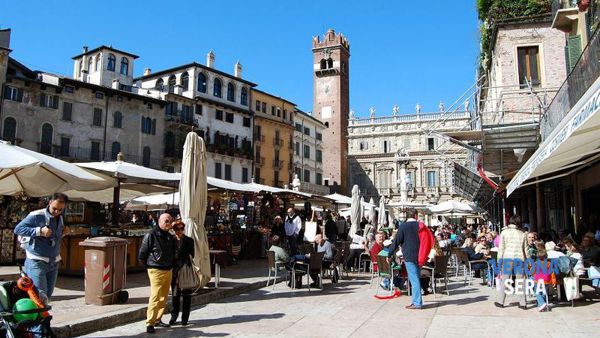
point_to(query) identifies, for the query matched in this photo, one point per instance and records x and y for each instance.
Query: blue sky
(402, 52)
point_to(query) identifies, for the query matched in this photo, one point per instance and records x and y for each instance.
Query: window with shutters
(297, 148)
(13, 94)
(257, 105)
(95, 151)
(112, 60)
(118, 120)
(218, 170)
(298, 127)
(185, 81)
(319, 156)
(146, 156)
(306, 131)
(124, 66)
(264, 107)
(219, 114)
(171, 83)
(115, 149)
(528, 60)
(228, 172)
(67, 111)
(319, 136)
(217, 88)
(202, 83)
(199, 109)
(430, 144)
(573, 51)
(244, 175)
(48, 101)
(273, 110)
(319, 178)
(246, 122)
(306, 151)
(65, 144)
(97, 118)
(244, 97)
(276, 178)
(432, 179)
(306, 175)
(9, 132)
(229, 117)
(257, 175)
(230, 92)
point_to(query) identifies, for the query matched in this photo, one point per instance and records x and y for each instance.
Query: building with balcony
(308, 153)
(561, 178)
(273, 139)
(380, 148)
(211, 102)
(89, 117)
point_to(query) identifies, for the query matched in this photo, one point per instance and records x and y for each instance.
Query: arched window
(10, 130)
(112, 60)
(124, 66)
(90, 64)
(115, 150)
(172, 83)
(185, 81)
(230, 92)
(202, 83)
(118, 120)
(146, 157)
(97, 63)
(46, 141)
(323, 64)
(244, 97)
(160, 84)
(329, 63)
(217, 88)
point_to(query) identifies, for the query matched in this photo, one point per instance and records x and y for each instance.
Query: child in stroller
(17, 322)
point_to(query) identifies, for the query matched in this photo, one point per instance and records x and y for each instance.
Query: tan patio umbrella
(192, 201)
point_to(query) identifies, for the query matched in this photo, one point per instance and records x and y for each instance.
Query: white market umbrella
(355, 211)
(35, 174)
(451, 207)
(154, 202)
(340, 199)
(125, 172)
(381, 219)
(193, 191)
(127, 192)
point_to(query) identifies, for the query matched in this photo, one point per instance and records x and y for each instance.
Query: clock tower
(331, 102)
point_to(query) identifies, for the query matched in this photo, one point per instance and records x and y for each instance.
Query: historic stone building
(381, 148)
(90, 117)
(273, 139)
(331, 101)
(309, 153)
(211, 102)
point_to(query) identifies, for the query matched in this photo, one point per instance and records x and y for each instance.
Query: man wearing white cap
(551, 250)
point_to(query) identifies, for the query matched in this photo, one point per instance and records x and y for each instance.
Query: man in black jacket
(157, 253)
(408, 238)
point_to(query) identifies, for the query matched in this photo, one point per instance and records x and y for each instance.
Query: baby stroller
(18, 321)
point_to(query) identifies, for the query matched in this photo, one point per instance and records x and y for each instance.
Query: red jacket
(426, 243)
(374, 252)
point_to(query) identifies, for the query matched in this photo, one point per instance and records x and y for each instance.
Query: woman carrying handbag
(183, 255)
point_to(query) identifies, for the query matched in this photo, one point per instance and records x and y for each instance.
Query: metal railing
(410, 118)
(584, 74)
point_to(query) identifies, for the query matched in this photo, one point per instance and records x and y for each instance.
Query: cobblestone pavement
(349, 309)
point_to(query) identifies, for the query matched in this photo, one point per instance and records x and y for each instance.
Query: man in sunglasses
(40, 234)
(157, 253)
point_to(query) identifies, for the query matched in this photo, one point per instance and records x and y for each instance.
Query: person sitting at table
(280, 255)
(477, 267)
(589, 250)
(376, 248)
(327, 248)
(531, 247)
(278, 228)
(573, 251)
(357, 247)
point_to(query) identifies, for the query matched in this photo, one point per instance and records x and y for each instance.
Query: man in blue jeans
(408, 238)
(40, 235)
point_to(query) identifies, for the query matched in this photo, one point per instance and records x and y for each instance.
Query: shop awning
(340, 199)
(228, 185)
(466, 182)
(575, 138)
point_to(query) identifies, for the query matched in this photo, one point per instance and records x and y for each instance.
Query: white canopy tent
(340, 199)
(452, 207)
(35, 174)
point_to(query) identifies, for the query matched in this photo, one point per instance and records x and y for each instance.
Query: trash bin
(105, 270)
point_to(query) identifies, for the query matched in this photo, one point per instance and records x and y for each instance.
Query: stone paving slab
(349, 309)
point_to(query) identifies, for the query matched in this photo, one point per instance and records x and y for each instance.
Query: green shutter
(574, 50)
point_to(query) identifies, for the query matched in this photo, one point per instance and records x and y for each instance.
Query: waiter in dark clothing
(408, 238)
(331, 231)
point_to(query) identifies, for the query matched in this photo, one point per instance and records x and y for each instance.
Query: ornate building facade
(385, 151)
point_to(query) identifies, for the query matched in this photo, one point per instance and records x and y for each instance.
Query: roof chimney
(210, 59)
(85, 49)
(237, 69)
(147, 71)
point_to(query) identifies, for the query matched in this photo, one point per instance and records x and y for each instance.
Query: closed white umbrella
(355, 211)
(372, 218)
(192, 201)
(381, 219)
(35, 174)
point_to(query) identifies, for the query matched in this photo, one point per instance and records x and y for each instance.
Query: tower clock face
(325, 87)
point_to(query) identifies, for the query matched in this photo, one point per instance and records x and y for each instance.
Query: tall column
(541, 215)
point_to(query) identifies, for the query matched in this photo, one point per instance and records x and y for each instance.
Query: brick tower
(331, 105)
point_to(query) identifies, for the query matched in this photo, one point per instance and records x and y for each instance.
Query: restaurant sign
(584, 110)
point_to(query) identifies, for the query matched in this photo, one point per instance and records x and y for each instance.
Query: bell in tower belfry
(331, 102)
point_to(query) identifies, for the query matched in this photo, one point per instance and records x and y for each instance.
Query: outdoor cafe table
(218, 257)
